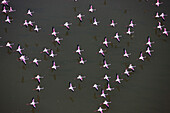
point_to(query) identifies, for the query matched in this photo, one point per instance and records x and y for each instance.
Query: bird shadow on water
(91, 21)
(54, 76)
(125, 11)
(75, 9)
(6, 30)
(71, 98)
(22, 79)
(26, 45)
(38, 98)
(36, 44)
(79, 24)
(95, 38)
(111, 44)
(104, 2)
(126, 80)
(54, 43)
(94, 96)
(57, 50)
(117, 87)
(45, 57)
(141, 66)
(148, 58)
(24, 67)
(164, 40)
(66, 33)
(79, 87)
(30, 28)
(9, 51)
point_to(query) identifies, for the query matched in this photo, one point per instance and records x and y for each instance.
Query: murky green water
(146, 91)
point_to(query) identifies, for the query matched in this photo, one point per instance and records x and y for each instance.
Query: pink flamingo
(38, 88)
(149, 43)
(117, 37)
(38, 77)
(118, 79)
(131, 67)
(57, 39)
(79, 16)
(101, 51)
(67, 25)
(19, 49)
(36, 28)
(126, 54)
(96, 86)
(149, 51)
(105, 65)
(8, 20)
(91, 9)
(71, 87)
(106, 78)
(106, 42)
(131, 24)
(52, 54)
(79, 50)
(113, 24)
(54, 65)
(80, 77)
(33, 103)
(103, 94)
(29, 12)
(141, 57)
(165, 32)
(82, 61)
(95, 22)
(109, 88)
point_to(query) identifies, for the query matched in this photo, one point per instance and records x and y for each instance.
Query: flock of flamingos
(7, 9)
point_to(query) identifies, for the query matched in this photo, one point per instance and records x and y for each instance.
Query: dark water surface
(146, 91)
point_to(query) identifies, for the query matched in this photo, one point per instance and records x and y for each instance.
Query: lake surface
(145, 91)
